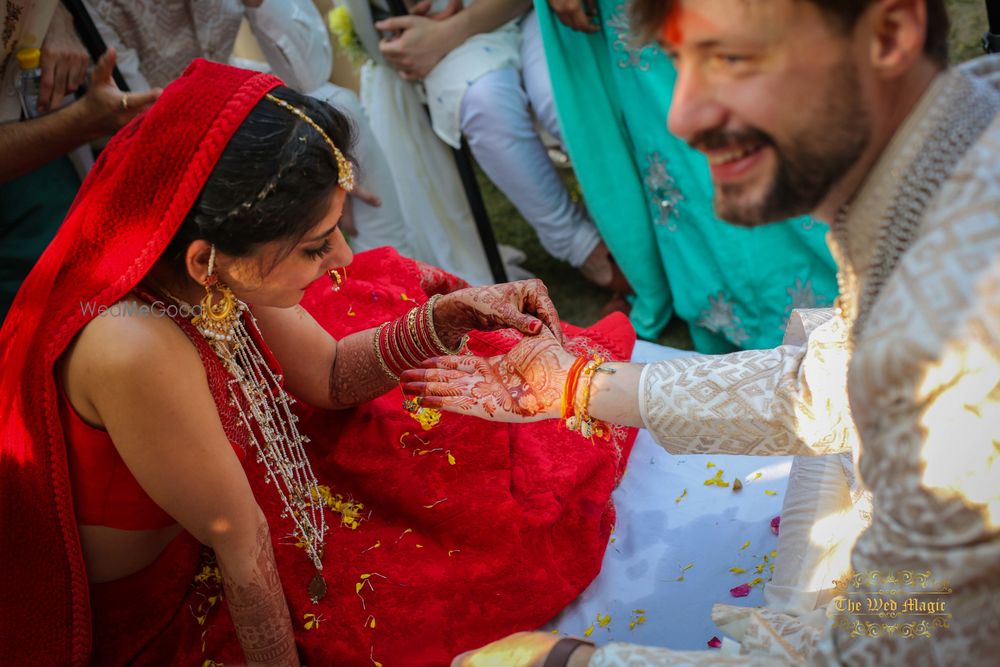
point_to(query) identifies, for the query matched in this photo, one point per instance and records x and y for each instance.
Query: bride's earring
(219, 308)
(336, 278)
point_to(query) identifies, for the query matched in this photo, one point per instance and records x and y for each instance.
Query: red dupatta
(125, 214)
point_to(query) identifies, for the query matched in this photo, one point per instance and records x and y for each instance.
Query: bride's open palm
(524, 385)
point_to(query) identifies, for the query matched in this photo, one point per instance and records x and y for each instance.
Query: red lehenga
(468, 530)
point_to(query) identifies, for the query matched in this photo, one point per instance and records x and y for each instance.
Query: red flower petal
(740, 591)
(714, 642)
(776, 524)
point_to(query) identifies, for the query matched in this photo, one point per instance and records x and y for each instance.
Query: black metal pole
(991, 40)
(91, 37)
(463, 162)
(463, 159)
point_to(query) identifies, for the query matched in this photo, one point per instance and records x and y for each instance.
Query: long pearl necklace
(260, 400)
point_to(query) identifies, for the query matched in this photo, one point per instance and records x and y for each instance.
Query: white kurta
(438, 220)
(923, 388)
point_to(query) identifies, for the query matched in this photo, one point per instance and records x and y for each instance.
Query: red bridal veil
(468, 530)
(127, 210)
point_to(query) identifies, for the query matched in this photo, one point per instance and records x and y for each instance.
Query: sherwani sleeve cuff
(789, 400)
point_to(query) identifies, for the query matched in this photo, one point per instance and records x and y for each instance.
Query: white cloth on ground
(667, 519)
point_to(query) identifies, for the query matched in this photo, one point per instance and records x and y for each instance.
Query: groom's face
(771, 92)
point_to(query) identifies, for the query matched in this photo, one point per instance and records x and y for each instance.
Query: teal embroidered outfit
(651, 197)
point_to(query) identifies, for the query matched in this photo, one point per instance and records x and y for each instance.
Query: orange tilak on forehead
(680, 16)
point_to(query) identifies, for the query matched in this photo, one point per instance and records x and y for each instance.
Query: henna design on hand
(525, 384)
(523, 305)
(258, 608)
(356, 375)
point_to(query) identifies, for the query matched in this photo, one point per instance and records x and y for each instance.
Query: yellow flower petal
(603, 621)
(745, 545)
(769, 492)
(451, 459)
(680, 497)
(589, 631)
(709, 465)
(737, 570)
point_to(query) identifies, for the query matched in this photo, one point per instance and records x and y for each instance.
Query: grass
(580, 302)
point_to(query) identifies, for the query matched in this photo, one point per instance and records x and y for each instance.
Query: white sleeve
(293, 37)
(784, 401)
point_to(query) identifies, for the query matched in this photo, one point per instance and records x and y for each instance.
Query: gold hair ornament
(345, 178)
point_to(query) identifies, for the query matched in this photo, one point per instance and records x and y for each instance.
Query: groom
(847, 110)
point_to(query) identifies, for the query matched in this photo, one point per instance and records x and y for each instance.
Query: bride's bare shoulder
(124, 343)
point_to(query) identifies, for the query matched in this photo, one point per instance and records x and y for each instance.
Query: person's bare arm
(25, 146)
(791, 400)
(336, 374)
(145, 383)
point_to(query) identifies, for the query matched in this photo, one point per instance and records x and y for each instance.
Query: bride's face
(286, 275)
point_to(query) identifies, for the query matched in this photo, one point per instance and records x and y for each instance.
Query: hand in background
(423, 8)
(107, 108)
(420, 44)
(64, 61)
(523, 305)
(524, 385)
(576, 14)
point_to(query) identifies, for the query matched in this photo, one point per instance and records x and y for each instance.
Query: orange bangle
(569, 390)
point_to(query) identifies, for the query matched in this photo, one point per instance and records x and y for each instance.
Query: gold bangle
(378, 353)
(411, 325)
(433, 332)
(588, 425)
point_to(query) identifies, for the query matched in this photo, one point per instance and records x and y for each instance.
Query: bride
(206, 457)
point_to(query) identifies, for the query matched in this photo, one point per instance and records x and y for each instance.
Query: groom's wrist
(569, 652)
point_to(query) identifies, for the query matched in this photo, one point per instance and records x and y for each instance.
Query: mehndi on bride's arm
(336, 374)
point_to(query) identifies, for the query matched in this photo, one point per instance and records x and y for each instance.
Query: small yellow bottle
(29, 80)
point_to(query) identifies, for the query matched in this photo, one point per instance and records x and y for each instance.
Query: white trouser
(377, 226)
(497, 123)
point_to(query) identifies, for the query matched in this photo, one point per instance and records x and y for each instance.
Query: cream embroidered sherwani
(914, 363)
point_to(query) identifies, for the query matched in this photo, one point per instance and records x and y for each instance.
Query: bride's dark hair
(274, 181)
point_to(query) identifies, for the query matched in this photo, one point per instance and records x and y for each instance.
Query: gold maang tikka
(345, 172)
